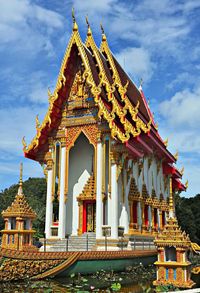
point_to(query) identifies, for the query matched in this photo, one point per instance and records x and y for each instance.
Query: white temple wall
(80, 168)
(135, 172)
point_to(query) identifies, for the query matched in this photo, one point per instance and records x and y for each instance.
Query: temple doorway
(89, 216)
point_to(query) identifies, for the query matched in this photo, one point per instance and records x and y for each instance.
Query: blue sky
(156, 40)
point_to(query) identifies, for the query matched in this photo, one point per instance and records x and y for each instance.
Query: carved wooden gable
(80, 94)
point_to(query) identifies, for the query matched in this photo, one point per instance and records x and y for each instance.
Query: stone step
(75, 243)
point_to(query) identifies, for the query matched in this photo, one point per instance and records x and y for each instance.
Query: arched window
(170, 253)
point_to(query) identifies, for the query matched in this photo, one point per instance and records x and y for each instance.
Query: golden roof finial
(141, 83)
(171, 202)
(182, 171)
(166, 142)
(89, 32)
(37, 122)
(176, 156)
(24, 143)
(75, 26)
(186, 184)
(156, 126)
(103, 32)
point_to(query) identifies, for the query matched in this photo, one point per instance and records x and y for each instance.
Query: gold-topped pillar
(49, 203)
(62, 202)
(99, 175)
(114, 196)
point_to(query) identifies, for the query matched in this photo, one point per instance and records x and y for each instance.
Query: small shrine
(173, 245)
(18, 232)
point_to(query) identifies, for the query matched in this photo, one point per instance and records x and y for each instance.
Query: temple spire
(171, 202)
(20, 191)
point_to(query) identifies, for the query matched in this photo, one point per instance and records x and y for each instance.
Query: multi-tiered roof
(119, 103)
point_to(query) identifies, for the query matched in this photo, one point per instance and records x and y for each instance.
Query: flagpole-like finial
(88, 24)
(102, 29)
(171, 201)
(103, 32)
(21, 174)
(75, 27)
(141, 83)
(87, 21)
(73, 15)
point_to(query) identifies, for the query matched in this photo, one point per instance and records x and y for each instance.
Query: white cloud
(17, 122)
(27, 25)
(182, 110)
(137, 62)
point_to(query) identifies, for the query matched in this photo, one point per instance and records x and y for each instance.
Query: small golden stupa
(173, 245)
(18, 217)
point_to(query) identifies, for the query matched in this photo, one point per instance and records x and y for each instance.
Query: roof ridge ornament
(166, 142)
(89, 32)
(24, 143)
(141, 83)
(103, 32)
(37, 122)
(176, 155)
(186, 184)
(75, 26)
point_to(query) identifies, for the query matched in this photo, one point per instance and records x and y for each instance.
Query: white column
(158, 217)
(139, 215)
(49, 204)
(149, 216)
(99, 204)
(62, 205)
(114, 202)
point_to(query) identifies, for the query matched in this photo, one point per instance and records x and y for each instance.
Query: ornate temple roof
(19, 207)
(118, 101)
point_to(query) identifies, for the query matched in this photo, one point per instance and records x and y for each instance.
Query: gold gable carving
(79, 93)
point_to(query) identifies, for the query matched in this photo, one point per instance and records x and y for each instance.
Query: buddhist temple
(173, 265)
(18, 232)
(101, 151)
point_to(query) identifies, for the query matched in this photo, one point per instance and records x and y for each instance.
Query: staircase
(75, 243)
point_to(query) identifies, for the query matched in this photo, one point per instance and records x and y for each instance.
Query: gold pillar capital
(49, 164)
(99, 136)
(63, 141)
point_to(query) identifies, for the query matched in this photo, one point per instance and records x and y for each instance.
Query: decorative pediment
(89, 190)
(19, 207)
(133, 192)
(172, 235)
(145, 193)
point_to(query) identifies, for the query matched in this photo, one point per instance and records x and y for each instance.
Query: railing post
(44, 242)
(87, 242)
